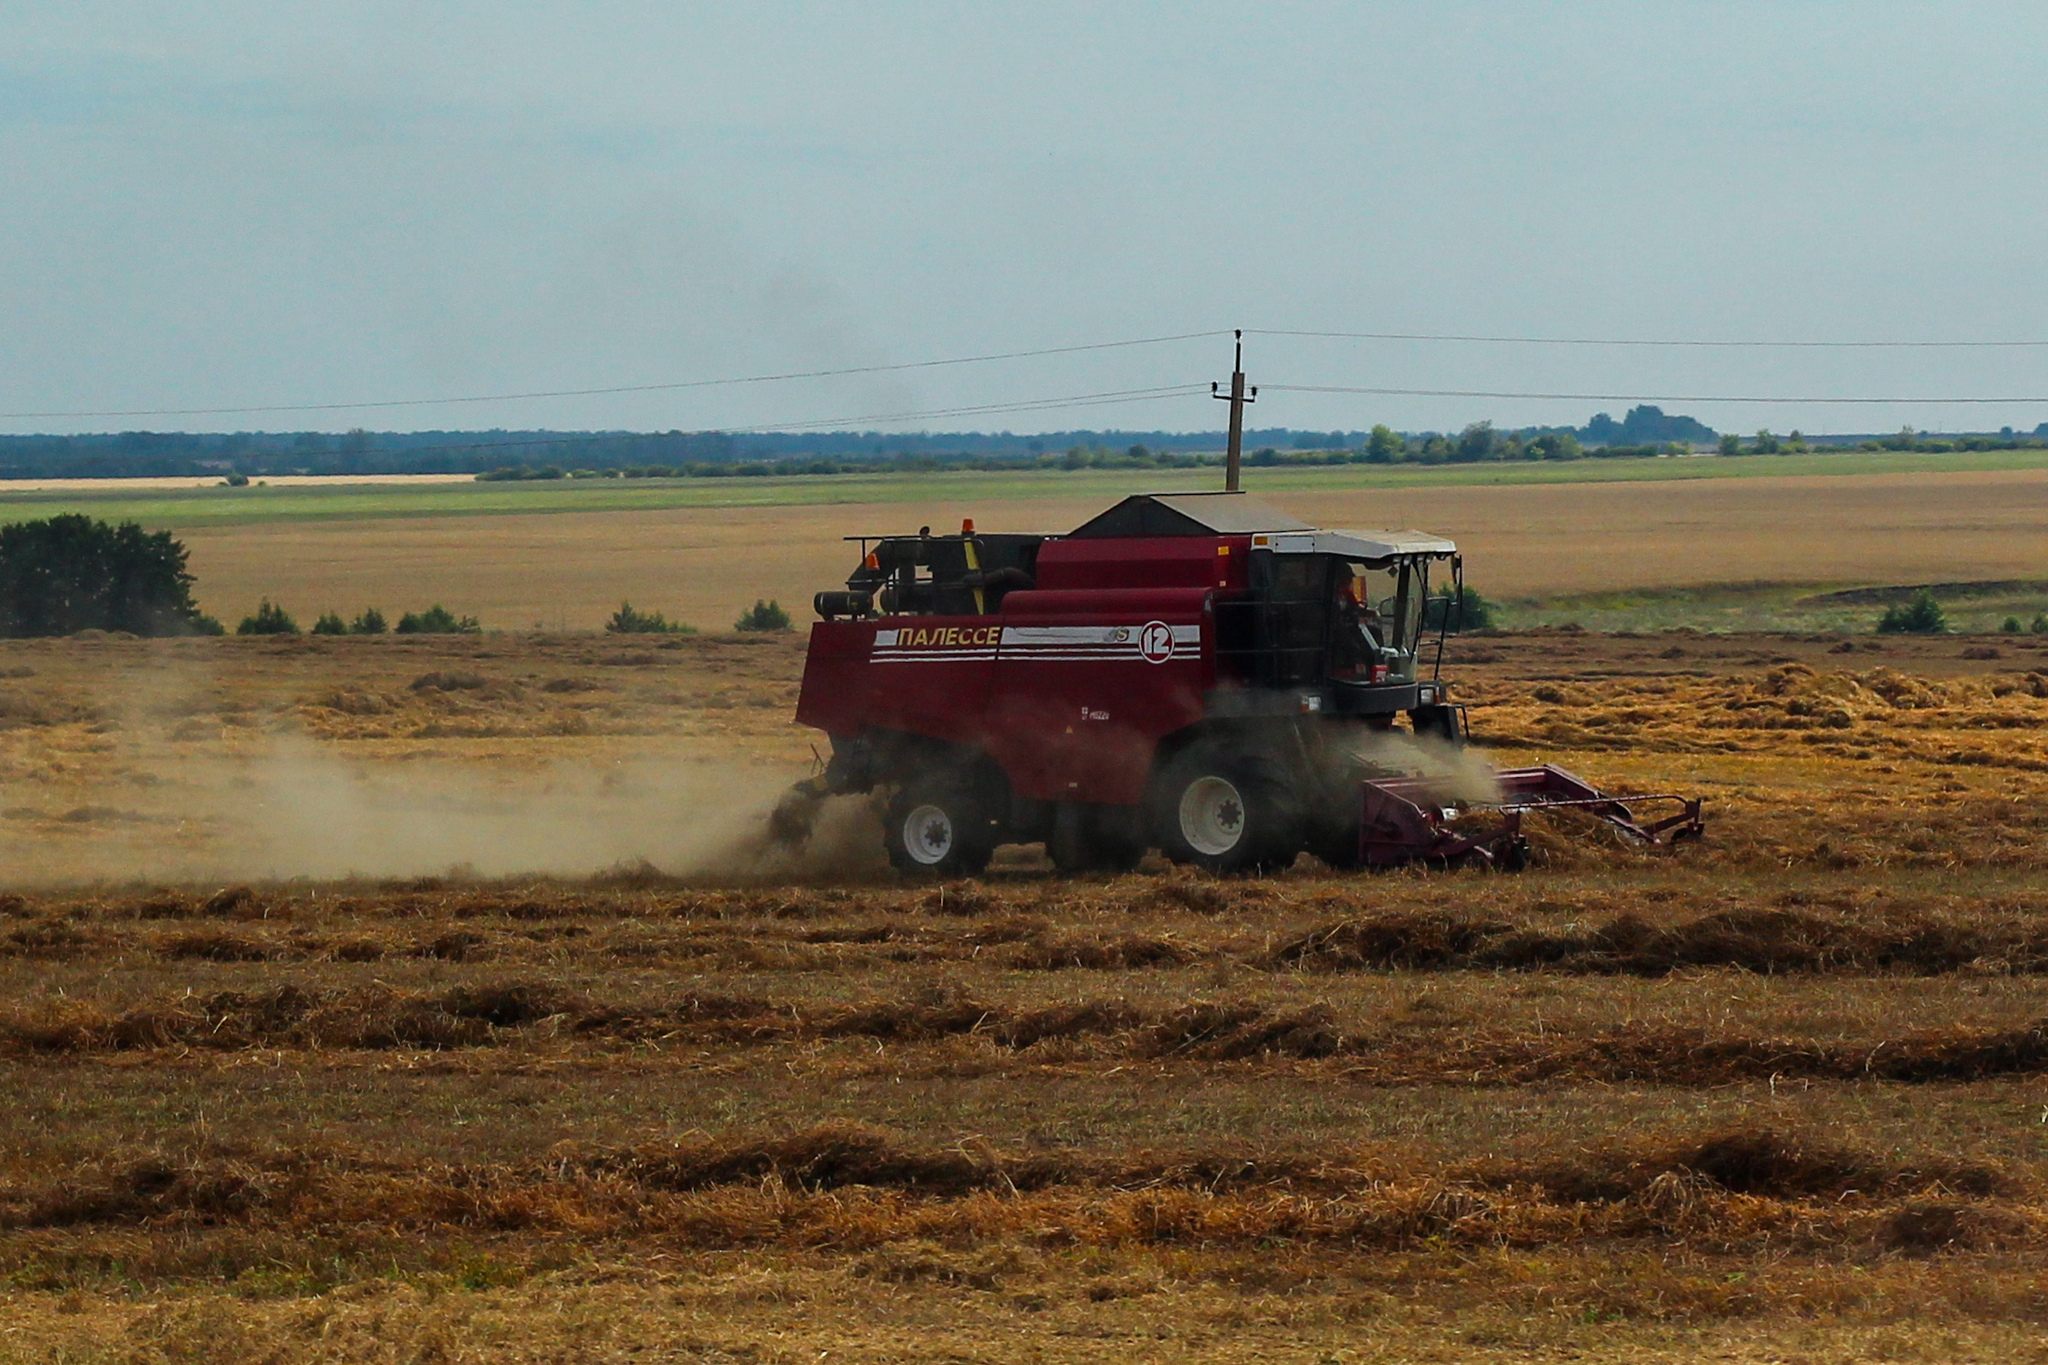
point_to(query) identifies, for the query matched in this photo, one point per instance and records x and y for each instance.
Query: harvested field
(550, 1061)
(703, 551)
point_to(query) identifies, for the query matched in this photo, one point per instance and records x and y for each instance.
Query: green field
(1801, 608)
(191, 508)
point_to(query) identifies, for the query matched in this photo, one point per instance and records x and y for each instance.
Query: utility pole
(1238, 396)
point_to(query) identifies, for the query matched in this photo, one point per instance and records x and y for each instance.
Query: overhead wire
(1634, 397)
(1642, 341)
(625, 388)
(1130, 395)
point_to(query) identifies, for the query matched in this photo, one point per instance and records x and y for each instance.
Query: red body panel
(1087, 683)
(1145, 562)
(925, 675)
(1070, 690)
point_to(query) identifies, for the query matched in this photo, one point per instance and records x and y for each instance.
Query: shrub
(516, 472)
(626, 621)
(2039, 625)
(330, 623)
(236, 480)
(437, 620)
(763, 616)
(371, 622)
(1478, 613)
(268, 620)
(2011, 626)
(70, 573)
(1921, 616)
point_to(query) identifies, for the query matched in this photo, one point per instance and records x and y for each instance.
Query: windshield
(1380, 608)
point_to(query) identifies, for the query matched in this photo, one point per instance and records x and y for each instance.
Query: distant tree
(1477, 612)
(1921, 616)
(764, 616)
(70, 572)
(1602, 430)
(371, 622)
(1385, 445)
(1263, 456)
(1795, 444)
(1477, 442)
(437, 620)
(330, 623)
(626, 621)
(268, 620)
(1731, 444)
(1765, 443)
(1648, 424)
(1555, 445)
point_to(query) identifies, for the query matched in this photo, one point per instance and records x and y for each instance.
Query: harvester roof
(1234, 514)
(1186, 514)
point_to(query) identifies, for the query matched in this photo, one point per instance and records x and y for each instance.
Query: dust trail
(1460, 774)
(293, 810)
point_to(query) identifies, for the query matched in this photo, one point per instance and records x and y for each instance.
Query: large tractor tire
(938, 827)
(1226, 812)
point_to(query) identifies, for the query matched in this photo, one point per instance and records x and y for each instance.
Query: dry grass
(1767, 1097)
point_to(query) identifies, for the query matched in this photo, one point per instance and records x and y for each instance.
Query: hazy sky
(210, 204)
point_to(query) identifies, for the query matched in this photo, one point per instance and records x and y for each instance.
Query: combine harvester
(1192, 672)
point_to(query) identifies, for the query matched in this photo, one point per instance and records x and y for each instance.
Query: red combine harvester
(1193, 672)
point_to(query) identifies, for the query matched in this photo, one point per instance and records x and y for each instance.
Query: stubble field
(351, 1082)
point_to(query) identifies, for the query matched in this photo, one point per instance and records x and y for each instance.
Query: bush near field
(764, 616)
(69, 573)
(627, 621)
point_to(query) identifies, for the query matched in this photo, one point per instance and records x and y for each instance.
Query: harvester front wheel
(938, 828)
(1225, 812)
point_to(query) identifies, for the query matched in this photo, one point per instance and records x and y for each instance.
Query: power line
(1642, 341)
(625, 388)
(1638, 397)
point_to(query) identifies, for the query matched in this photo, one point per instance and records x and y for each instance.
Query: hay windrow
(848, 1187)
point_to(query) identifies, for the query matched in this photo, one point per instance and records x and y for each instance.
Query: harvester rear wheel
(1225, 812)
(936, 827)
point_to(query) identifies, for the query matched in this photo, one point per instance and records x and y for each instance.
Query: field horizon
(1720, 549)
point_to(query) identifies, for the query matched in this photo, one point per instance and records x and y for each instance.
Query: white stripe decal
(1047, 644)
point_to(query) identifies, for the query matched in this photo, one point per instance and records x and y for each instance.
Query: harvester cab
(1341, 620)
(1193, 672)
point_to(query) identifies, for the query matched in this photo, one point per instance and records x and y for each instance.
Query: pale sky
(220, 204)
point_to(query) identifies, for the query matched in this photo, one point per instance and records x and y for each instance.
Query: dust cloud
(293, 810)
(1460, 776)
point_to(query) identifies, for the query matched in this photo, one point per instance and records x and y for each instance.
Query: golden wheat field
(435, 999)
(570, 570)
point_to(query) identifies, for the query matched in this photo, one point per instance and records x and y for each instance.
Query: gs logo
(1155, 642)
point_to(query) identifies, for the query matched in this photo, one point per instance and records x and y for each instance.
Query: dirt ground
(706, 565)
(434, 999)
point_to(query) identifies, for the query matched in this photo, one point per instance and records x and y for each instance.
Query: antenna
(1238, 396)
